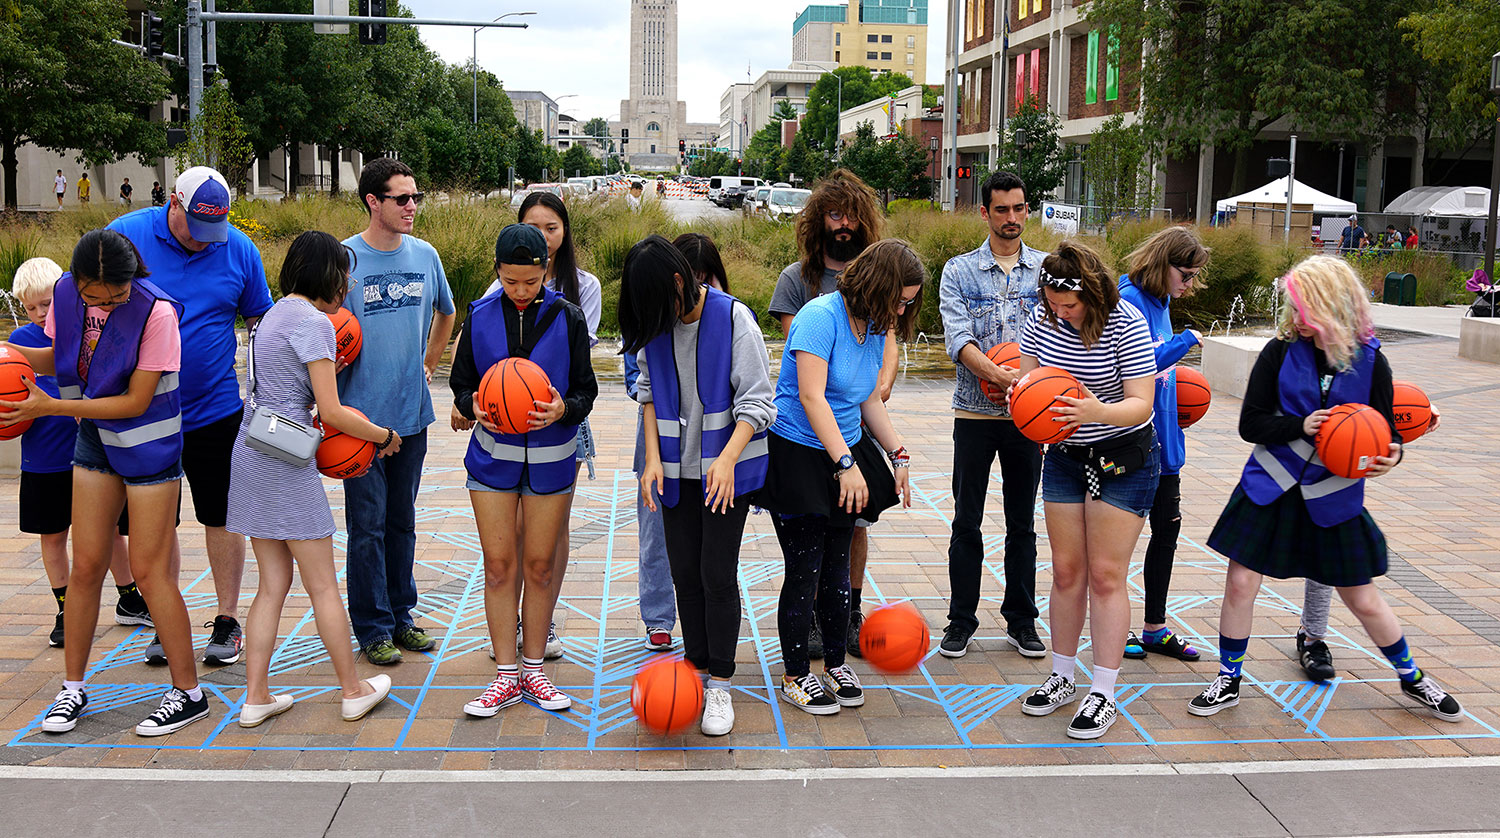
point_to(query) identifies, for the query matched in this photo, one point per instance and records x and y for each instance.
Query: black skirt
(799, 481)
(1281, 540)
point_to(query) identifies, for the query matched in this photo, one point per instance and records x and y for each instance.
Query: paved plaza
(1437, 510)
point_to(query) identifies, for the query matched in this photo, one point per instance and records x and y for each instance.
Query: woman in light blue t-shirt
(824, 470)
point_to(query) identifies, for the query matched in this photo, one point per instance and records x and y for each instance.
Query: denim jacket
(981, 306)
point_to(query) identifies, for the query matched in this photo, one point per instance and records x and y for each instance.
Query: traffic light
(372, 33)
(154, 34)
(624, 137)
(682, 146)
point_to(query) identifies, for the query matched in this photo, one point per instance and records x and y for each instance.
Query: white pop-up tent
(1470, 201)
(1275, 193)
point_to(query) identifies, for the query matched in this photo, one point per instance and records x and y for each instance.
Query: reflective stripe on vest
(715, 393)
(140, 445)
(1273, 470)
(549, 456)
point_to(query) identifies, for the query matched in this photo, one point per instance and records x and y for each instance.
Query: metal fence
(1459, 237)
(1097, 219)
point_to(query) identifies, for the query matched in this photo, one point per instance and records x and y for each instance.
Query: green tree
(217, 138)
(784, 110)
(712, 163)
(65, 87)
(763, 153)
(1452, 41)
(803, 161)
(1039, 159)
(578, 159)
(896, 168)
(533, 155)
(1117, 168)
(860, 86)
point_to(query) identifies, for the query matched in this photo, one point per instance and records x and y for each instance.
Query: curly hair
(875, 282)
(1324, 294)
(1097, 290)
(841, 191)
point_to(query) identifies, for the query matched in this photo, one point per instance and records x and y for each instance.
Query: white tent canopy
(1471, 201)
(1275, 193)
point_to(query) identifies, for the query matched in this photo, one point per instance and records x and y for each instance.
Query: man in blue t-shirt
(201, 260)
(400, 296)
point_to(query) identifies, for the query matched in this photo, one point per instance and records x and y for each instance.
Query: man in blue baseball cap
(201, 260)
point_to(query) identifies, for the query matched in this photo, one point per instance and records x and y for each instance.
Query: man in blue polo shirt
(215, 272)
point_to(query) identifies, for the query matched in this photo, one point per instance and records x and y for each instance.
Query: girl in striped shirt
(1098, 486)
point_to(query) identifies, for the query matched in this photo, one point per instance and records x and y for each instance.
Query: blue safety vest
(1273, 470)
(141, 445)
(550, 455)
(715, 351)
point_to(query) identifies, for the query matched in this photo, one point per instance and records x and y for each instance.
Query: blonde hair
(35, 277)
(1326, 295)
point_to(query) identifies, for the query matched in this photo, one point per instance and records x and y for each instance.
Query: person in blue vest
(46, 496)
(116, 353)
(1289, 516)
(1162, 269)
(705, 391)
(528, 475)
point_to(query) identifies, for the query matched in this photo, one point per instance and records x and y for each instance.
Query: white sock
(530, 665)
(507, 671)
(1104, 681)
(73, 685)
(1063, 665)
(718, 684)
(196, 693)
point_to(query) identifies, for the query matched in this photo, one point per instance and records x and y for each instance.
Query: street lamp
(932, 149)
(1489, 230)
(476, 58)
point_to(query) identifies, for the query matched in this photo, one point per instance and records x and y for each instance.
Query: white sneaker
(718, 712)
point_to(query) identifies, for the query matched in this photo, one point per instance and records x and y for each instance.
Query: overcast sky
(581, 47)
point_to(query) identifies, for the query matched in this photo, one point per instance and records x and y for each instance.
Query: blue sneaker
(1133, 648)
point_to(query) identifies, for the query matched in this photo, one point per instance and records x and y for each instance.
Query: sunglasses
(1059, 283)
(403, 200)
(906, 301)
(1188, 274)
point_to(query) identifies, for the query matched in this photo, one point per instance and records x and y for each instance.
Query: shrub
(1237, 268)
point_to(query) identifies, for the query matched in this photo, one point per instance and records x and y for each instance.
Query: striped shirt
(1123, 352)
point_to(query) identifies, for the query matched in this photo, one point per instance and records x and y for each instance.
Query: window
(652, 126)
(838, 39)
(874, 39)
(911, 41)
(885, 56)
(836, 58)
(885, 39)
(910, 59)
(871, 56)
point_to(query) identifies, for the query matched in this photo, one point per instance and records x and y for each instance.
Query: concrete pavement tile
(1366, 802)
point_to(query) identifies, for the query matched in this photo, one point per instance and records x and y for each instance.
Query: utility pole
(1291, 180)
(950, 109)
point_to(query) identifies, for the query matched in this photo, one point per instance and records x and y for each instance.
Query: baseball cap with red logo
(204, 196)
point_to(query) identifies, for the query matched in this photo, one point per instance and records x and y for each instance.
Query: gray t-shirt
(791, 291)
(749, 379)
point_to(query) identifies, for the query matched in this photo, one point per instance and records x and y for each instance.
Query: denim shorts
(524, 489)
(1063, 482)
(88, 452)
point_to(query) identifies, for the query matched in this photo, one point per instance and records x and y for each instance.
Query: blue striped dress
(1123, 352)
(269, 498)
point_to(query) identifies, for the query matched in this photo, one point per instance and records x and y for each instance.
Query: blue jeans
(380, 516)
(658, 603)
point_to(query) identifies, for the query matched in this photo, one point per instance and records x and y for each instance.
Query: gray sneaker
(155, 655)
(225, 643)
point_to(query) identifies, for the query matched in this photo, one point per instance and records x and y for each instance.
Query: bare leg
(274, 561)
(315, 563)
(226, 559)
(1241, 585)
(545, 515)
(1111, 534)
(1374, 613)
(152, 509)
(1065, 532)
(119, 562)
(97, 501)
(495, 516)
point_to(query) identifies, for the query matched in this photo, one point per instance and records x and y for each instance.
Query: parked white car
(755, 202)
(786, 204)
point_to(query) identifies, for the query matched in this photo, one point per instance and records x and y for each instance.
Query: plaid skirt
(1281, 540)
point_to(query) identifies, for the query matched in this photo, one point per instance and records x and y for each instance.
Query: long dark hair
(106, 256)
(703, 256)
(839, 191)
(317, 266)
(565, 263)
(651, 299)
(1097, 290)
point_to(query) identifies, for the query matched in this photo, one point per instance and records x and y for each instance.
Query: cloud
(581, 47)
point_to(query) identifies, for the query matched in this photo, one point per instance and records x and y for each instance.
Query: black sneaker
(225, 642)
(1025, 640)
(1223, 691)
(176, 712)
(815, 640)
(1427, 693)
(1054, 692)
(846, 689)
(155, 655)
(807, 694)
(1094, 717)
(55, 639)
(856, 622)
(1316, 660)
(66, 709)
(131, 610)
(955, 643)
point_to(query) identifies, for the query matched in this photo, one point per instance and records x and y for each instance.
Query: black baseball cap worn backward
(521, 244)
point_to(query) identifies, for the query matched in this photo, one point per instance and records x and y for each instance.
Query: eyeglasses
(1188, 274)
(1059, 283)
(835, 215)
(402, 200)
(906, 301)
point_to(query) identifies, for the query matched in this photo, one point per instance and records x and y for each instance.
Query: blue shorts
(88, 453)
(1134, 492)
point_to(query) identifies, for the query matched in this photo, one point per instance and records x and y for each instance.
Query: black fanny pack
(1115, 456)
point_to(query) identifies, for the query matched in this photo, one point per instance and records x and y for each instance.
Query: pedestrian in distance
(1162, 269)
(60, 186)
(126, 191)
(1289, 515)
(116, 353)
(85, 187)
(706, 397)
(280, 506)
(1098, 485)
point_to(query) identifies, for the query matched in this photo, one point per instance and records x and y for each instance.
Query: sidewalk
(1441, 321)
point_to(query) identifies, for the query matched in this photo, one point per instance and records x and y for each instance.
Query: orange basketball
(1413, 411)
(1193, 396)
(894, 638)
(1351, 438)
(1033, 398)
(341, 455)
(14, 371)
(348, 338)
(509, 391)
(1005, 354)
(667, 696)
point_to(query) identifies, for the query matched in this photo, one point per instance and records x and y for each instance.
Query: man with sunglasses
(201, 260)
(400, 295)
(985, 297)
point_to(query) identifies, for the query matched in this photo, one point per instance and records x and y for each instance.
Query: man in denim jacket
(985, 297)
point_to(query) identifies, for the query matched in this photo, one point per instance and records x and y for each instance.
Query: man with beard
(985, 296)
(841, 218)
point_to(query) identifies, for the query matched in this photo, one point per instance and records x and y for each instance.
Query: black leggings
(816, 580)
(703, 549)
(1166, 524)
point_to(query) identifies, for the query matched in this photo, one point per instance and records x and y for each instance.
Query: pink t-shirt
(161, 346)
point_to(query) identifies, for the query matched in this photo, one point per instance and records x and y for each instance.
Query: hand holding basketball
(547, 412)
(1078, 410)
(33, 406)
(393, 448)
(1314, 421)
(1381, 465)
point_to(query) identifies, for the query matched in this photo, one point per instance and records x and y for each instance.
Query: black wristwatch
(845, 463)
